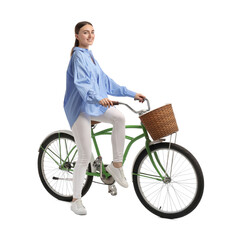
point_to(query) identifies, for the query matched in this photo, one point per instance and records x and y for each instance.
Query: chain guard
(108, 181)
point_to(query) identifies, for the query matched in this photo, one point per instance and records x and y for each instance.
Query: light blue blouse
(86, 85)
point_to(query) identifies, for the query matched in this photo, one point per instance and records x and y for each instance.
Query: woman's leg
(117, 119)
(82, 135)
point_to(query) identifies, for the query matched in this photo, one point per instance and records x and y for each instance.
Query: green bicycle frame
(62, 162)
(132, 140)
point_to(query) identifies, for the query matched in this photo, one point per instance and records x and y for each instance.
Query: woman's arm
(116, 90)
(82, 81)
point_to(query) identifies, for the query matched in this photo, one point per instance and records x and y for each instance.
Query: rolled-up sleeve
(116, 90)
(83, 82)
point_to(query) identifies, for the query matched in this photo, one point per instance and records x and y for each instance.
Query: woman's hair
(78, 26)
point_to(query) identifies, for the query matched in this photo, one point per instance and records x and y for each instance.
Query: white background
(187, 53)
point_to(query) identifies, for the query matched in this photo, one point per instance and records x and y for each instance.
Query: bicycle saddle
(93, 123)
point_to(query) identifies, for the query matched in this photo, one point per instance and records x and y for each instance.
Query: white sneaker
(78, 207)
(117, 174)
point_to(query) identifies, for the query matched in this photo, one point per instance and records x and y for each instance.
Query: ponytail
(76, 44)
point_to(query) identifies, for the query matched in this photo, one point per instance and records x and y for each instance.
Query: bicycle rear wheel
(182, 187)
(56, 161)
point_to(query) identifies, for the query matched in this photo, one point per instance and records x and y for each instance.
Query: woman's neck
(86, 47)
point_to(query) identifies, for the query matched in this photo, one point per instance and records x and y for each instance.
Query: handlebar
(140, 112)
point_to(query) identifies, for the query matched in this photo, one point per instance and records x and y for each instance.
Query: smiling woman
(84, 35)
(86, 99)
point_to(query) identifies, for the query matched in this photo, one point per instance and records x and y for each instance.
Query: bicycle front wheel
(56, 161)
(181, 188)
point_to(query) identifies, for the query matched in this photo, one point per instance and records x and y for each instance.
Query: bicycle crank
(108, 181)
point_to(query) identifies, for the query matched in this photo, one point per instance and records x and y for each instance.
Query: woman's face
(86, 36)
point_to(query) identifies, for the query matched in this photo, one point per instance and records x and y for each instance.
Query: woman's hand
(140, 97)
(106, 102)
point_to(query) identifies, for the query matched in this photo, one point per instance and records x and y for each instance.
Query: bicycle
(167, 178)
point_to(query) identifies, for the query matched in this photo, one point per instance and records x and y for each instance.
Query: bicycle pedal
(112, 189)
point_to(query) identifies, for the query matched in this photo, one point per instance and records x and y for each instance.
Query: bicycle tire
(50, 183)
(165, 193)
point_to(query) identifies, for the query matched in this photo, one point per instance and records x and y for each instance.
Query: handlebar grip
(115, 102)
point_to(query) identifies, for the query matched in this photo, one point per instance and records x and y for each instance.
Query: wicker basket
(160, 122)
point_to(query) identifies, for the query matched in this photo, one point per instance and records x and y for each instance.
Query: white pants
(82, 135)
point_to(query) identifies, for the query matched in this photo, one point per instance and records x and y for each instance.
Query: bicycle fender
(58, 131)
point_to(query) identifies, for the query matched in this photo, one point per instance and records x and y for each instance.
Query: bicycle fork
(156, 161)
